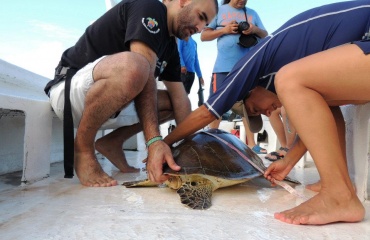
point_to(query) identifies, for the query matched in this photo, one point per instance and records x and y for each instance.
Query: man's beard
(184, 23)
(183, 33)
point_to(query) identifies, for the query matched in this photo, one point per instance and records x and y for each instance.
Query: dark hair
(226, 2)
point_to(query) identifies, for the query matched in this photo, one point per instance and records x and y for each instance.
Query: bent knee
(133, 65)
(128, 66)
(287, 79)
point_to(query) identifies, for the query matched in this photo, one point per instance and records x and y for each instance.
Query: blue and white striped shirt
(307, 33)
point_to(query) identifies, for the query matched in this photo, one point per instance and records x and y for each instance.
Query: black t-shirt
(142, 20)
(168, 66)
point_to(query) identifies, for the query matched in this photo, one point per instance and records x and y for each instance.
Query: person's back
(117, 33)
(310, 32)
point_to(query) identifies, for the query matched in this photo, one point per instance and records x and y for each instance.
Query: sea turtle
(209, 160)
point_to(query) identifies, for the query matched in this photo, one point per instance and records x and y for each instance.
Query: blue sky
(34, 33)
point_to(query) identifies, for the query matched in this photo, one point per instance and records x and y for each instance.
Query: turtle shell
(209, 153)
(209, 160)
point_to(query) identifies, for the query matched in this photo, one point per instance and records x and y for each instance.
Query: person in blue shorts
(229, 28)
(311, 65)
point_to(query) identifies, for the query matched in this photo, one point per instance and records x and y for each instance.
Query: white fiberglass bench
(21, 91)
(357, 138)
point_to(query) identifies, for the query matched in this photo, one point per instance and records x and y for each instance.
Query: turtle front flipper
(140, 183)
(196, 194)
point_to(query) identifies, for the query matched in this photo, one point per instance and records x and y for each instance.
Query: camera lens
(242, 26)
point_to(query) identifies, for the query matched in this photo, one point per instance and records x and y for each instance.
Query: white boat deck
(58, 208)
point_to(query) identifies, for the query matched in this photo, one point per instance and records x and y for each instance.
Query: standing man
(110, 75)
(189, 63)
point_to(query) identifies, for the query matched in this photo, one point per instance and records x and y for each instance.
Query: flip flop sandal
(277, 155)
(272, 154)
(257, 149)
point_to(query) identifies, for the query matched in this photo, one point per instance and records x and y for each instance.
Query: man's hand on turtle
(158, 154)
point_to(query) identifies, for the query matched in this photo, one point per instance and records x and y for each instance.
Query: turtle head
(174, 182)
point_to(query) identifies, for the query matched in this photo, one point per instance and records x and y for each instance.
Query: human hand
(201, 81)
(250, 30)
(184, 70)
(277, 171)
(231, 28)
(158, 154)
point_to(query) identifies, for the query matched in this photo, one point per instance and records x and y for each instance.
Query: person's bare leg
(250, 136)
(278, 126)
(289, 135)
(305, 87)
(111, 144)
(289, 130)
(215, 123)
(339, 120)
(118, 79)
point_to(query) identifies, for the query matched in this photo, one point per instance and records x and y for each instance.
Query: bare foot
(114, 153)
(316, 187)
(90, 173)
(325, 208)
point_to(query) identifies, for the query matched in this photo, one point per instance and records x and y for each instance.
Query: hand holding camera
(249, 40)
(242, 26)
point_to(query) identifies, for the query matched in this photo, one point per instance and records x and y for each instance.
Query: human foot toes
(104, 181)
(96, 179)
(323, 209)
(90, 173)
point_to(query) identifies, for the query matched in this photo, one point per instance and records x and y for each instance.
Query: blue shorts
(364, 45)
(216, 81)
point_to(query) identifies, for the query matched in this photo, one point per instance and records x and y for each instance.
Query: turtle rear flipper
(196, 194)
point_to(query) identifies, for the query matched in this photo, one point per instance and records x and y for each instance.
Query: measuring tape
(280, 183)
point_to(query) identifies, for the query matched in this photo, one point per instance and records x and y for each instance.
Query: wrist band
(153, 140)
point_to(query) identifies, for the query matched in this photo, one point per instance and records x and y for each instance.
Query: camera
(246, 41)
(242, 26)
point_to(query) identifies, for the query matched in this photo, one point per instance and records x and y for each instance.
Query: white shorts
(80, 84)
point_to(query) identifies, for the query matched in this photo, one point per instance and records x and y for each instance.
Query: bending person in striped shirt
(316, 62)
